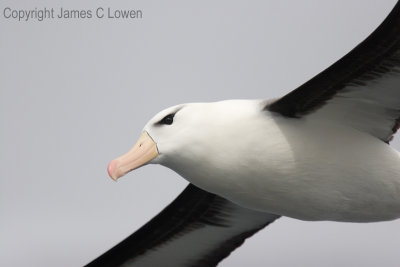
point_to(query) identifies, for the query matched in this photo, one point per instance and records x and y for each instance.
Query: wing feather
(362, 89)
(197, 229)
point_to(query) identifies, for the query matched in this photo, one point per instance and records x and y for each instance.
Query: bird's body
(305, 169)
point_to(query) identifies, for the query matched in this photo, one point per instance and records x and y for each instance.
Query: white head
(188, 135)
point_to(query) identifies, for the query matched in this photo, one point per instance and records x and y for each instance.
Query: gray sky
(75, 94)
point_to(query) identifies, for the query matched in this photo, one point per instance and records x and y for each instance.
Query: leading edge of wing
(362, 61)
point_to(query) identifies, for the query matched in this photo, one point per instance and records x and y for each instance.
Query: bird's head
(169, 136)
(185, 134)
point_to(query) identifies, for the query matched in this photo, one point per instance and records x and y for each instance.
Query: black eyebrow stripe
(172, 114)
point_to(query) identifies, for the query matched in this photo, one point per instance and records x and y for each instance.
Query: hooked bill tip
(111, 169)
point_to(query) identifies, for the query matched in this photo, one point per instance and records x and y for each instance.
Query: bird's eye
(168, 120)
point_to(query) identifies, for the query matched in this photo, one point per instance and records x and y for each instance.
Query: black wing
(362, 89)
(197, 229)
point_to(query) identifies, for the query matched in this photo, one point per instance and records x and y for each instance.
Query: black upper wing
(197, 229)
(362, 89)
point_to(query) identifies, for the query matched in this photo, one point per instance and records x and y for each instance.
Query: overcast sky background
(75, 94)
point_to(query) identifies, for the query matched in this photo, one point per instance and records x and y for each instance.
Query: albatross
(321, 152)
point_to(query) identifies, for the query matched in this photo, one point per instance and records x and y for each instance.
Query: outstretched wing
(197, 229)
(362, 89)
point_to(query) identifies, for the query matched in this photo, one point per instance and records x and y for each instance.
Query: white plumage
(308, 169)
